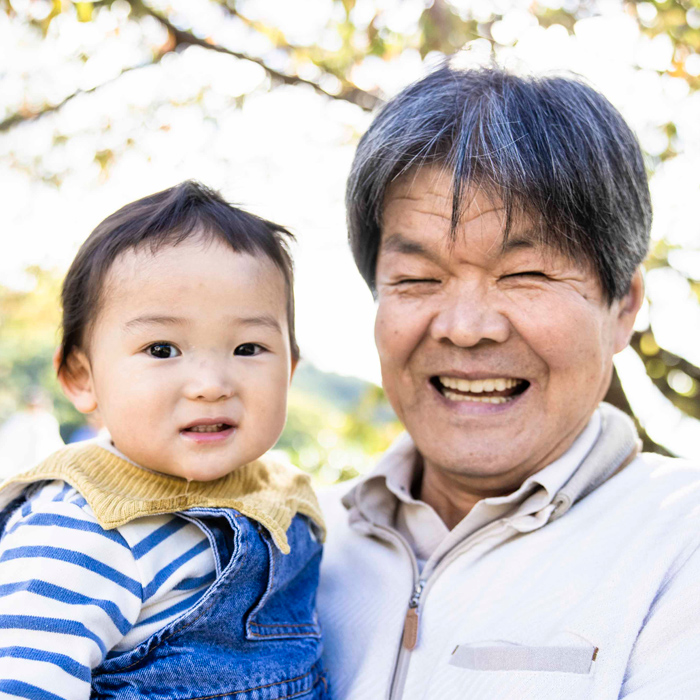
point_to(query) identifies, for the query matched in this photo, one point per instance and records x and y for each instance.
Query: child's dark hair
(166, 218)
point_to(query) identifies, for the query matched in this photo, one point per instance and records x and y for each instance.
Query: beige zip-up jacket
(595, 596)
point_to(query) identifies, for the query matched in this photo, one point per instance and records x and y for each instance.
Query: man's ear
(628, 307)
(75, 378)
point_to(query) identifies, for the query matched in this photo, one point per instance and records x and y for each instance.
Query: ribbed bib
(119, 492)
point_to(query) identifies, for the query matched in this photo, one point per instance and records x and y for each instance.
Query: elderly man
(513, 543)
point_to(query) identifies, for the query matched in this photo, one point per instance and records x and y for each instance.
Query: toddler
(171, 559)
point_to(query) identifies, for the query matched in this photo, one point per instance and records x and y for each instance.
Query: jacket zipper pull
(410, 628)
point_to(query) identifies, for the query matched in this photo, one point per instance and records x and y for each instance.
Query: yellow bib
(118, 491)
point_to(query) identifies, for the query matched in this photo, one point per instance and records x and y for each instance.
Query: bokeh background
(104, 102)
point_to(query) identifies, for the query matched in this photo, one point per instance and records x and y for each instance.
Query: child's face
(189, 361)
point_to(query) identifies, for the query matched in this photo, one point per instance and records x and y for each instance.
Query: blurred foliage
(335, 64)
(332, 443)
(29, 321)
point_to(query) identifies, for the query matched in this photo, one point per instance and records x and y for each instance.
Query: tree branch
(668, 358)
(617, 397)
(27, 116)
(361, 98)
(354, 95)
(350, 91)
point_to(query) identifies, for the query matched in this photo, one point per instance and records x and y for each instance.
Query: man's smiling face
(494, 357)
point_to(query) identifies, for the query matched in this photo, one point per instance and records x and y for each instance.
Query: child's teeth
(207, 428)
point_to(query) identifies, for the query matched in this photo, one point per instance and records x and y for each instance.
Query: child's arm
(69, 591)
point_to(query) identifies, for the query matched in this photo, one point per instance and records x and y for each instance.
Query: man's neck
(453, 495)
(450, 497)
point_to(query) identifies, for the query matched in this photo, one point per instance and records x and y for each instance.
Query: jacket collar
(615, 446)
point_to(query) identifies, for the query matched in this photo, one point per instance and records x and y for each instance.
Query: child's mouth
(208, 431)
(216, 428)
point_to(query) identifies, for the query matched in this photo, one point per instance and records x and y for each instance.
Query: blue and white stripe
(71, 593)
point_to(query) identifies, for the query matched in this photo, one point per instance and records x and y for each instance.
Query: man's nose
(210, 380)
(469, 315)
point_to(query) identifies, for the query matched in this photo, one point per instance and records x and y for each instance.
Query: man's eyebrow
(154, 321)
(531, 238)
(398, 243)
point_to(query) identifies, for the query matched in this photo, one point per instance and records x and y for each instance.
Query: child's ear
(295, 363)
(75, 378)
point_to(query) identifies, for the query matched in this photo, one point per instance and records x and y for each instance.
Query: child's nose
(210, 381)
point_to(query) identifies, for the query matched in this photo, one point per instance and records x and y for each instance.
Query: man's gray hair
(550, 148)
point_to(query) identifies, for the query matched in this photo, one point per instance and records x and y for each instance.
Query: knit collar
(118, 491)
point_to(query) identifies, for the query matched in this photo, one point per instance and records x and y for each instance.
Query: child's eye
(248, 349)
(163, 351)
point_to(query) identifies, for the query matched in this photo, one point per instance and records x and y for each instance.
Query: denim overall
(253, 636)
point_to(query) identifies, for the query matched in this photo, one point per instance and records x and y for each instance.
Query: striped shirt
(72, 593)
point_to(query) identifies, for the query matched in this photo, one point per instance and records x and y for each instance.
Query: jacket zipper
(399, 674)
(410, 626)
(409, 638)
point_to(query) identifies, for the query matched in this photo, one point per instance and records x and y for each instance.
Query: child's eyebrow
(264, 320)
(154, 320)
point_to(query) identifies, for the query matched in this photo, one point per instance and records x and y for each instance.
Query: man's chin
(498, 461)
(480, 466)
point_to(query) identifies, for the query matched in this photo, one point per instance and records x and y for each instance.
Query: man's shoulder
(667, 473)
(331, 497)
(656, 487)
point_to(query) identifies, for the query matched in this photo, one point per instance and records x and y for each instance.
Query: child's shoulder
(56, 497)
(57, 509)
(56, 516)
(57, 503)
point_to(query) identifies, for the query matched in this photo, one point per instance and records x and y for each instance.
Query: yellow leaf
(84, 10)
(648, 345)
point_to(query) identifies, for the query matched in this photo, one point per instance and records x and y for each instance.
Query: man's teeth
(476, 399)
(477, 386)
(216, 428)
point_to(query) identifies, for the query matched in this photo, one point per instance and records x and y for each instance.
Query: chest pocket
(508, 670)
(288, 605)
(515, 657)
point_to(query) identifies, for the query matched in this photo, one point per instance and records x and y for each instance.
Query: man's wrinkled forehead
(423, 200)
(429, 187)
(404, 244)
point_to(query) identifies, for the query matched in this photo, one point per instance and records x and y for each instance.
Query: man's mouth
(496, 390)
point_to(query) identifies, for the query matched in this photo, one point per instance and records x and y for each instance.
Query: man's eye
(163, 351)
(248, 349)
(417, 280)
(527, 273)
